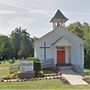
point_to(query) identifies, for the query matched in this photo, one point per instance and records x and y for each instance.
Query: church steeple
(58, 20)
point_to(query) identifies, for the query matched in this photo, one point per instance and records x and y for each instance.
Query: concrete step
(65, 67)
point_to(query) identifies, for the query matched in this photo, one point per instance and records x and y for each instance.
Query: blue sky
(35, 15)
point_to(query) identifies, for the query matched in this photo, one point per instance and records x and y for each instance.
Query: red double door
(60, 56)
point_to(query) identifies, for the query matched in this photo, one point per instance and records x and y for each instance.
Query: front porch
(65, 64)
(61, 57)
(62, 51)
(49, 63)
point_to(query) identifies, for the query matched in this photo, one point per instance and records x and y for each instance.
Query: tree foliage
(25, 44)
(18, 45)
(5, 47)
(16, 40)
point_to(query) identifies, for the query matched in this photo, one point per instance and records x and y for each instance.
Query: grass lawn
(54, 84)
(87, 72)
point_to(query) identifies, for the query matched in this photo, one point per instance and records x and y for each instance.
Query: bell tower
(58, 20)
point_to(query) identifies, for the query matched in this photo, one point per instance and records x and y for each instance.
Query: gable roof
(59, 15)
(62, 42)
(57, 41)
(58, 28)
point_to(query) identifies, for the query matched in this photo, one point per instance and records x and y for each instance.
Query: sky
(34, 15)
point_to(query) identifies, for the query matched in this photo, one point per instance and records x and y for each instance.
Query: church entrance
(61, 55)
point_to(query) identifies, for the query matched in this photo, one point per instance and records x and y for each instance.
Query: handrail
(47, 63)
(78, 69)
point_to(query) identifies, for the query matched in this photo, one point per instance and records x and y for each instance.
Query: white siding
(68, 54)
(77, 56)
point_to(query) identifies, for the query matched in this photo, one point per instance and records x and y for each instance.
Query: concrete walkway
(73, 78)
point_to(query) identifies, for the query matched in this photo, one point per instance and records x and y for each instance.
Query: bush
(87, 59)
(40, 74)
(33, 59)
(11, 61)
(15, 75)
(11, 76)
(37, 64)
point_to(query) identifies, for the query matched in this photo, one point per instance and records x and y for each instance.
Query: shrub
(37, 64)
(15, 75)
(87, 59)
(11, 61)
(33, 59)
(40, 74)
(7, 77)
(11, 76)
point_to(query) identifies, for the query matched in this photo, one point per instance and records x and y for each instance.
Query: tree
(19, 44)
(5, 47)
(77, 28)
(86, 37)
(25, 44)
(22, 44)
(32, 46)
(16, 40)
(87, 44)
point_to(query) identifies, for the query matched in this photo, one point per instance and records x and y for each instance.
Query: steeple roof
(59, 16)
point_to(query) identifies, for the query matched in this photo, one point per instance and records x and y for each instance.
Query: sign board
(26, 66)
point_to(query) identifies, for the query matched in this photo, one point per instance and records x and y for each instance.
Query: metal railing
(47, 63)
(78, 69)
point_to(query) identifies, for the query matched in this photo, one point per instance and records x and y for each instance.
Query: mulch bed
(32, 79)
(87, 79)
(47, 77)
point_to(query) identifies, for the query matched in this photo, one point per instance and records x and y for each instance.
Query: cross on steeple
(44, 47)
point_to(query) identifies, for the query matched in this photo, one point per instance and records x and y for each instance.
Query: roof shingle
(60, 16)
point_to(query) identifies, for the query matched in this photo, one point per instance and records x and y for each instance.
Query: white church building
(60, 46)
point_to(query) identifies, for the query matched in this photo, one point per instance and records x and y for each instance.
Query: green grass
(87, 72)
(54, 84)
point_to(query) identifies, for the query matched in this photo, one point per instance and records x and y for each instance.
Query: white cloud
(35, 14)
(77, 13)
(7, 12)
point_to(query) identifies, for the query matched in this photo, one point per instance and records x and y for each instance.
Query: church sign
(26, 66)
(26, 70)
